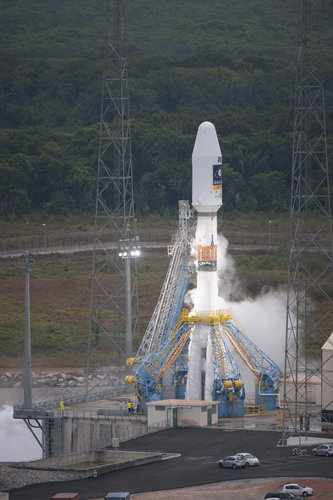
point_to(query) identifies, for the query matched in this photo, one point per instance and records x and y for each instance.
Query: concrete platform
(88, 464)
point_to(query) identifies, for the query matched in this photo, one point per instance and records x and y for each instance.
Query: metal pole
(128, 299)
(44, 226)
(27, 337)
(269, 233)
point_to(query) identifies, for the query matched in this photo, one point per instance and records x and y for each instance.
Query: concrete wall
(312, 395)
(72, 433)
(95, 433)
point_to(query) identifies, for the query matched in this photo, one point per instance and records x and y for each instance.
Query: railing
(86, 240)
(254, 409)
(54, 403)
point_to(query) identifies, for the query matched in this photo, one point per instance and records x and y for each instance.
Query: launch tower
(310, 264)
(116, 244)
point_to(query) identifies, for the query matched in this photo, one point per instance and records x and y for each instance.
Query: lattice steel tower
(112, 320)
(310, 264)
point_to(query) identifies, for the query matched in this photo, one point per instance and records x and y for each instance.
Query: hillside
(58, 29)
(229, 62)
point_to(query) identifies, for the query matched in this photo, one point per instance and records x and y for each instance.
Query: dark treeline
(49, 131)
(49, 107)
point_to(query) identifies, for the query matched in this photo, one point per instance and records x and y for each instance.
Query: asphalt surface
(200, 451)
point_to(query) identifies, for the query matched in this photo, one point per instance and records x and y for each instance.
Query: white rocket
(206, 199)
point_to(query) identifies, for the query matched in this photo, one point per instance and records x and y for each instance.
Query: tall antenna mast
(310, 263)
(112, 321)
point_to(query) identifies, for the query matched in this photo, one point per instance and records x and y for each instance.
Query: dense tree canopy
(50, 93)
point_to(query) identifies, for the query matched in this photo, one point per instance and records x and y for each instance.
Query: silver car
(323, 449)
(297, 489)
(232, 461)
(250, 460)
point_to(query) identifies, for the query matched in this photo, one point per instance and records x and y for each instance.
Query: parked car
(323, 449)
(232, 461)
(250, 460)
(285, 495)
(297, 489)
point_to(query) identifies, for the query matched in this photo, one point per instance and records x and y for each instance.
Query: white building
(182, 413)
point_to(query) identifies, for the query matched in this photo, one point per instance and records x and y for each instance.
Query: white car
(297, 489)
(250, 460)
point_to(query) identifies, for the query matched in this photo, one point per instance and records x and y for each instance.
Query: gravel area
(12, 477)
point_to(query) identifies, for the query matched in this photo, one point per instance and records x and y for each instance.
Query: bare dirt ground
(246, 489)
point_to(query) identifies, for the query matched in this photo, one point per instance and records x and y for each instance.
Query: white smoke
(262, 319)
(228, 283)
(17, 442)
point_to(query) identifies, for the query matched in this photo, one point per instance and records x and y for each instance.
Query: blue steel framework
(227, 342)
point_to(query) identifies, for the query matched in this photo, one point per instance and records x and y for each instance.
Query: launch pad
(192, 355)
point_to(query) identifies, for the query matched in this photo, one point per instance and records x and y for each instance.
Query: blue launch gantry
(161, 366)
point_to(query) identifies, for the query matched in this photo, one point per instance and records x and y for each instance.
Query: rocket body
(206, 199)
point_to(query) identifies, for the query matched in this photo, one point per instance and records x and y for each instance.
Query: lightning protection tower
(112, 320)
(310, 264)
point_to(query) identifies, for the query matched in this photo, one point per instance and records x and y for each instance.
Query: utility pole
(27, 336)
(310, 262)
(114, 315)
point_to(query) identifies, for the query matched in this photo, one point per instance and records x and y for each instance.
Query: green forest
(230, 62)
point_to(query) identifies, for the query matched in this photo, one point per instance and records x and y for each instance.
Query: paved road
(200, 451)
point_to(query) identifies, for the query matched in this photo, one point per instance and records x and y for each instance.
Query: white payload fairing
(206, 199)
(206, 171)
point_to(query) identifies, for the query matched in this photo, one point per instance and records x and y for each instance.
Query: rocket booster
(206, 170)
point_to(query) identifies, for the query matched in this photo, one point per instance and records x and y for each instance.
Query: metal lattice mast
(310, 264)
(112, 321)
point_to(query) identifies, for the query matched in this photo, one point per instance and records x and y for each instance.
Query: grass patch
(60, 296)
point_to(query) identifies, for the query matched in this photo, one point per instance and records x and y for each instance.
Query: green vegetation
(60, 284)
(60, 29)
(231, 63)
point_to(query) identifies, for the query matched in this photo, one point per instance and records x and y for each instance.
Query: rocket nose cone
(206, 142)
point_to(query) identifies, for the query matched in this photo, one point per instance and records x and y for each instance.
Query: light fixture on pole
(128, 249)
(269, 233)
(44, 228)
